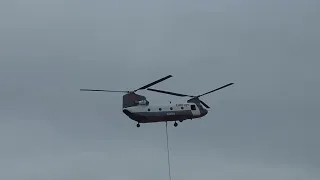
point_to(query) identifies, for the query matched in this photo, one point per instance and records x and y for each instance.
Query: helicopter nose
(205, 112)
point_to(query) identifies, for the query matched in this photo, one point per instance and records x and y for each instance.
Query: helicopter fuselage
(162, 113)
(137, 107)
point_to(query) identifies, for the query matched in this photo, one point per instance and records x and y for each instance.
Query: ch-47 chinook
(138, 108)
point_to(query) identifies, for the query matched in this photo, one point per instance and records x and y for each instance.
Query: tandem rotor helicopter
(138, 108)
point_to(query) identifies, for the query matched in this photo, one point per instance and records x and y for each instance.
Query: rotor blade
(205, 105)
(167, 92)
(153, 83)
(101, 90)
(216, 89)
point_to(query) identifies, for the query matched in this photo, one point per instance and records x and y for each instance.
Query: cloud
(263, 127)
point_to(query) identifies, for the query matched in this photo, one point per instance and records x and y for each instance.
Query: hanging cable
(169, 167)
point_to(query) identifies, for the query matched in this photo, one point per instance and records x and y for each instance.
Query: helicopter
(138, 108)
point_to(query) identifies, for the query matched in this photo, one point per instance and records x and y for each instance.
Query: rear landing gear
(138, 125)
(175, 124)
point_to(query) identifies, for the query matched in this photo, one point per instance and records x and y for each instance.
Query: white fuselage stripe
(167, 107)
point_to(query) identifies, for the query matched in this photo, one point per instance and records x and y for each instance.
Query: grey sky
(264, 127)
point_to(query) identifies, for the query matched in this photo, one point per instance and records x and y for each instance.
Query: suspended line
(169, 167)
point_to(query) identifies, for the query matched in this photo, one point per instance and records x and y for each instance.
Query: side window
(193, 107)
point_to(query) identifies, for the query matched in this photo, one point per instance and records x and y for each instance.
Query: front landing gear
(175, 124)
(138, 125)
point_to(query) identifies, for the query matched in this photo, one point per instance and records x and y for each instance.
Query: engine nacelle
(143, 102)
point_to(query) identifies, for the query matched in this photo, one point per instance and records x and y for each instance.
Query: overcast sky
(264, 127)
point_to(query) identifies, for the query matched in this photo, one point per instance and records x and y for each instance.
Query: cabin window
(171, 108)
(193, 107)
(160, 109)
(148, 109)
(181, 107)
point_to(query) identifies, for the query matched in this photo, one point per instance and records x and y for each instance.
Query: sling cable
(169, 167)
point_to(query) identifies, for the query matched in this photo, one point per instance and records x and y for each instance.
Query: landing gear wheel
(138, 125)
(175, 124)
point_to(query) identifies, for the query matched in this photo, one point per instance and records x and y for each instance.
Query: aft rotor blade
(102, 90)
(153, 83)
(167, 92)
(204, 104)
(216, 89)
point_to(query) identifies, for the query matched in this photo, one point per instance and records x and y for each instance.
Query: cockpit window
(193, 107)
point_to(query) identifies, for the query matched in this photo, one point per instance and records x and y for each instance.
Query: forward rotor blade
(153, 83)
(204, 104)
(102, 90)
(167, 92)
(216, 89)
